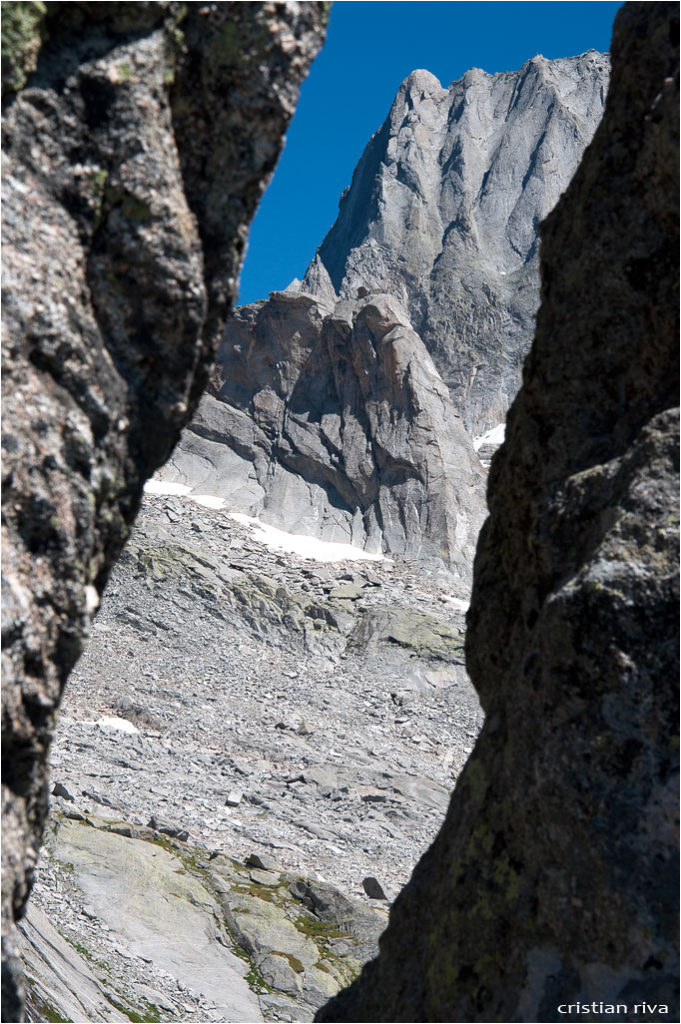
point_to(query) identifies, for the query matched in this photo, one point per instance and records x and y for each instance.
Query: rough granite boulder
(554, 878)
(137, 140)
(331, 420)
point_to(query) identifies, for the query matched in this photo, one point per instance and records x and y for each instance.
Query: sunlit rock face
(333, 421)
(443, 213)
(313, 424)
(137, 140)
(553, 880)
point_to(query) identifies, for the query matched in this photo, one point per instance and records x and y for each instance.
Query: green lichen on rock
(126, 72)
(136, 209)
(415, 632)
(148, 1012)
(22, 37)
(46, 1010)
(172, 887)
(228, 44)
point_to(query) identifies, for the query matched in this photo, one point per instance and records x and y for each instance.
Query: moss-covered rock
(414, 632)
(23, 30)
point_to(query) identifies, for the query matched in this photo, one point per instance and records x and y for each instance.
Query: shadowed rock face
(333, 421)
(443, 213)
(130, 177)
(554, 877)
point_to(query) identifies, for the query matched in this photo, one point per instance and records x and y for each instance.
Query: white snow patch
(208, 500)
(297, 544)
(494, 436)
(112, 724)
(154, 486)
(306, 547)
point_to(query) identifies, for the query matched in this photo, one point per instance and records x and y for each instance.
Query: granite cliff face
(313, 423)
(554, 878)
(137, 140)
(335, 423)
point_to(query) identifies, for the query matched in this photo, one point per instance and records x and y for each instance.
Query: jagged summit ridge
(444, 208)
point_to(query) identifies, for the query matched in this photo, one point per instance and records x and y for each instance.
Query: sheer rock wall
(137, 140)
(554, 878)
(331, 420)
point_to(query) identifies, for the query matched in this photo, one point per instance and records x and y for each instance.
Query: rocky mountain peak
(318, 283)
(406, 335)
(419, 86)
(444, 208)
(333, 421)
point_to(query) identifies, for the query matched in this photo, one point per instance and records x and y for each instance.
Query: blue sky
(370, 49)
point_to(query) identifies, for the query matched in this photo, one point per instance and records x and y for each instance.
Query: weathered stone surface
(155, 925)
(554, 878)
(134, 157)
(158, 910)
(334, 422)
(60, 979)
(317, 421)
(443, 210)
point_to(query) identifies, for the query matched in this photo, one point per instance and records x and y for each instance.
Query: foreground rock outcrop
(554, 878)
(137, 140)
(162, 920)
